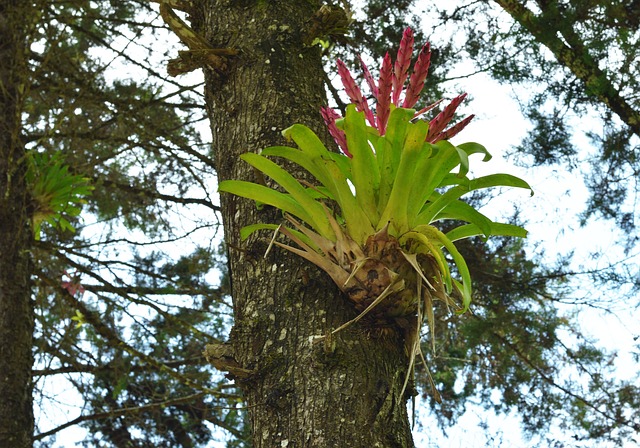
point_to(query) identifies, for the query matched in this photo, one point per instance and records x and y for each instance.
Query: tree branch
(574, 56)
(85, 368)
(221, 356)
(111, 338)
(119, 412)
(618, 419)
(157, 195)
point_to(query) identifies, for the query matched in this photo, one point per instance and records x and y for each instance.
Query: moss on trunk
(16, 313)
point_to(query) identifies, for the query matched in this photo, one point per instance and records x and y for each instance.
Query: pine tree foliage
(579, 58)
(572, 61)
(117, 306)
(518, 346)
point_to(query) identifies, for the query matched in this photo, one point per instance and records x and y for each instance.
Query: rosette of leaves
(57, 194)
(370, 221)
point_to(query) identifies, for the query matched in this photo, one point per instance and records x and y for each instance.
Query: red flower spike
(424, 110)
(330, 116)
(384, 93)
(403, 62)
(453, 130)
(367, 76)
(354, 93)
(437, 125)
(416, 82)
(393, 76)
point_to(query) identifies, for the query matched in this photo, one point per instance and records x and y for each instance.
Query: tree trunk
(16, 313)
(300, 392)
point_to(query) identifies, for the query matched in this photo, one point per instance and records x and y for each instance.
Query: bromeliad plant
(57, 194)
(370, 220)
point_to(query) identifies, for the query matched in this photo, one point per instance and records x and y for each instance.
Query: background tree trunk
(16, 313)
(302, 394)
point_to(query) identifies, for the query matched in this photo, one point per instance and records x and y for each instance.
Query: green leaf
(427, 215)
(424, 244)
(464, 162)
(54, 190)
(475, 148)
(499, 180)
(306, 140)
(496, 229)
(435, 172)
(331, 175)
(79, 319)
(315, 210)
(247, 231)
(430, 172)
(465, 288)
(462, 211)
(304, 159)
(364, 167)
(343, 162)
(389, 151)
(400, 199)
(454, 179)
(265, 195)
(356, 220)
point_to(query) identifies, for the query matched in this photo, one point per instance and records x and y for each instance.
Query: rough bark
(299, 392)
(16, 314)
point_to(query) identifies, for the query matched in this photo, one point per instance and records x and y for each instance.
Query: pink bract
(388, 91)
